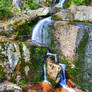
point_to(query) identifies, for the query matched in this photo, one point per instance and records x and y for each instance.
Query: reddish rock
(39, 87)
(61, 90)
(78, 90)
(45, 87)
(70, 83)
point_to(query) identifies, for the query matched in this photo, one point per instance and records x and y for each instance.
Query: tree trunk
(17, 4)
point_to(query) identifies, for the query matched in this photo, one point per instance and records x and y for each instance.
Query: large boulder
(68, 37)
(75, 13)
(9, 87)
(45, 87)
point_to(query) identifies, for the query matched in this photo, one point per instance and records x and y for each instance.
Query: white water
(62, 82)
(60, 4)
(40, 31)
(45, 75)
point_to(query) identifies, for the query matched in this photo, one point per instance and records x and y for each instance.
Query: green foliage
(81, 2)
(5, 13)
(5, 3)
(23, 32)
(5, 9)
(33, 4)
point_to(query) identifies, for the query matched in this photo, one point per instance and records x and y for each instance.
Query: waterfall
(63, 76)
(40, 35)
(45, 75)
(62, 82)
(40, 31)
(60, 4)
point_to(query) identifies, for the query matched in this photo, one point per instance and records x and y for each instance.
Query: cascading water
(62, 82)
(40, 31)
(45, 75)
(60, 4)
(63, 76)
(40, 35)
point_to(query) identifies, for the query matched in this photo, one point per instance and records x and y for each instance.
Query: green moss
(1, 71)
(5, 13)
(67, 4)
(35, 64)
(79, 62)
(56, 18)
(81, 2)
(2, 74)
(23, 32)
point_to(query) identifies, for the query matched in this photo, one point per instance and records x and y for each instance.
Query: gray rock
(40, 11)
(9, 87)
(87, 74)
(26, 53)
(68, 37)
(75, 13)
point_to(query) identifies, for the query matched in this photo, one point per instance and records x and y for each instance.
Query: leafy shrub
(5, 13)
(81, 2)
(5, 9)
(5, 3)
(33, 4)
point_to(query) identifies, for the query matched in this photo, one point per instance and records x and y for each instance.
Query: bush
(33, 4)
(5, 9)
(81, 2)
(5, 13)
(5, 3)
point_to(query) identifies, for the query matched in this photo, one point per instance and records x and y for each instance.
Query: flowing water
(45, 75)
(63, 76)
(62, 82)
(40, 32)
(60, 4)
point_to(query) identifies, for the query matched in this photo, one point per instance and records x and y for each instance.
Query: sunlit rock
(68, 38)
(75, 13)
(9, 87)
(54, 71)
